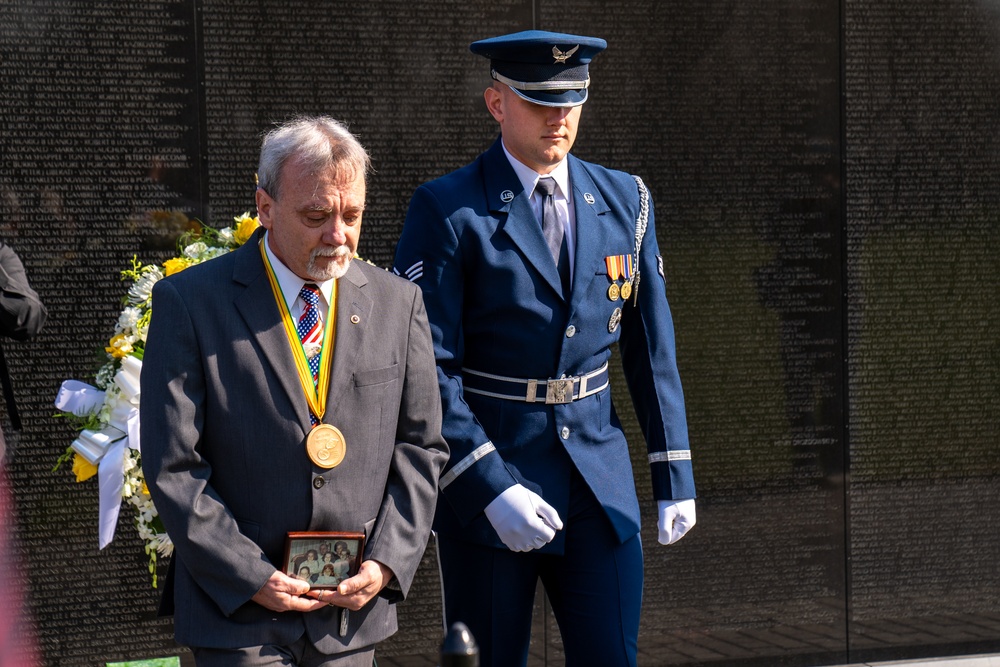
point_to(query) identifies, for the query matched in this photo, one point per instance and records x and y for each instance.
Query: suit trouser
(595, 590)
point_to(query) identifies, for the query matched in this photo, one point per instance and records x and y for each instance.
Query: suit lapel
(353, 317)
(591, 230)
(516, 219)
(259, 310)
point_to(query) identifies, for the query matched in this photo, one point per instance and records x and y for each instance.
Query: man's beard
(342, 256)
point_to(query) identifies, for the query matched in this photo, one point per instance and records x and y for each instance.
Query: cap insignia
(561, 57)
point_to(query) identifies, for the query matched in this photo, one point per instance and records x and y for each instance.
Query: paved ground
(803, 643)
(970, 661)
(873, 637)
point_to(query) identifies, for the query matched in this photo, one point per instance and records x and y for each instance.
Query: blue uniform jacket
(495, 305)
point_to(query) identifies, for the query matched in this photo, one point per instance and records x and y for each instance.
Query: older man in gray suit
(287, 388)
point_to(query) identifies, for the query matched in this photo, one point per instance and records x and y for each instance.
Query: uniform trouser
(299, 654)
(595, 590)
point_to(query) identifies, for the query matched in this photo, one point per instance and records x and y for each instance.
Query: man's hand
(676, 517)
(357, 591)
(284, 593)
(522, 519)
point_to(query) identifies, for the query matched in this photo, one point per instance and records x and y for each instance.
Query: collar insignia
(589, 198)
(562, 56)
(506, 196)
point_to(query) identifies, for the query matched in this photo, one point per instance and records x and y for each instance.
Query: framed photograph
(323, 559)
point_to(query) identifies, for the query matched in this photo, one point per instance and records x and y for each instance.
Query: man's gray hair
(319, 142)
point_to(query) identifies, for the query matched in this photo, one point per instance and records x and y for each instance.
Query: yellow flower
(118, 347)
(175, 265)
(82, 468)
(145, 489)
(244, 229)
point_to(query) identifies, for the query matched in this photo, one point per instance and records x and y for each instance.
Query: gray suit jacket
(224, 422)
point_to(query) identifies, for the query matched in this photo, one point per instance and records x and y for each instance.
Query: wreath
(106, 414)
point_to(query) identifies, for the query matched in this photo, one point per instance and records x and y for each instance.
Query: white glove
(676, 517)
(522, 519)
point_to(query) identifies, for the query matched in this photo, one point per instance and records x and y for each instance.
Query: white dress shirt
(291, 285)
(563, 198)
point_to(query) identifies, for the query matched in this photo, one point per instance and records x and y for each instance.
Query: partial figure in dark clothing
(21, 317)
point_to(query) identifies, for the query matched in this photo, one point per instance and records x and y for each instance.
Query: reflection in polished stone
(836, 332)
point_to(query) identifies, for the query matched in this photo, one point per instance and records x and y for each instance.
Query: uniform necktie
(310, 328)
(553, 229)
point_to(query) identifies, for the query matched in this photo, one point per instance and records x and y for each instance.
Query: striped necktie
(310, 328)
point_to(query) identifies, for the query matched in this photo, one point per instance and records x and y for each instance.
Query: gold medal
(326, 446)
(613, 292)
(626, 290)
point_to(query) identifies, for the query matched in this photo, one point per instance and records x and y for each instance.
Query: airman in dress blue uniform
(533, 264)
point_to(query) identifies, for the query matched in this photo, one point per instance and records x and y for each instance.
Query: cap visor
(553, 98)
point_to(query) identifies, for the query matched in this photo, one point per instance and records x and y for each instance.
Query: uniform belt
(551, 391)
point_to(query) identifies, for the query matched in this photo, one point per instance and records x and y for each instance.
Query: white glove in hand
(522, 519)
(676, 517)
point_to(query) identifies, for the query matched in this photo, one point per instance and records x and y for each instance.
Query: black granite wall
(825, 178)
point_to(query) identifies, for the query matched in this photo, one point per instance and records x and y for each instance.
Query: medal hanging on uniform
(614, 264)
(627, 273)
(325, 444)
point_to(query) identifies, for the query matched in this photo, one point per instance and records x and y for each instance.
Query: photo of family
(323, 559)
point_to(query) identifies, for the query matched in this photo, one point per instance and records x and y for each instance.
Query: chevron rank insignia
(413, 274)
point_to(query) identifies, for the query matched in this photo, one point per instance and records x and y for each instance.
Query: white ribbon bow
(106, 448)
(79, 398)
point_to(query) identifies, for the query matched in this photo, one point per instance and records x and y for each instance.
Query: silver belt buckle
(559, 391)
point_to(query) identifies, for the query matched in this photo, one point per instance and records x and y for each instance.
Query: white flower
(142, 289)
(104, 414)
(226, 235)
(194, 250)
(105, 375)
(127, 320)
(165, 546)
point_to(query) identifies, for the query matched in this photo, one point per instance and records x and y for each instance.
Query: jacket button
(570, 331)
(565, 432)
(319, 482)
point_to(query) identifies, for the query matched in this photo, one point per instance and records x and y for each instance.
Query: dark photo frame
(323, 559)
